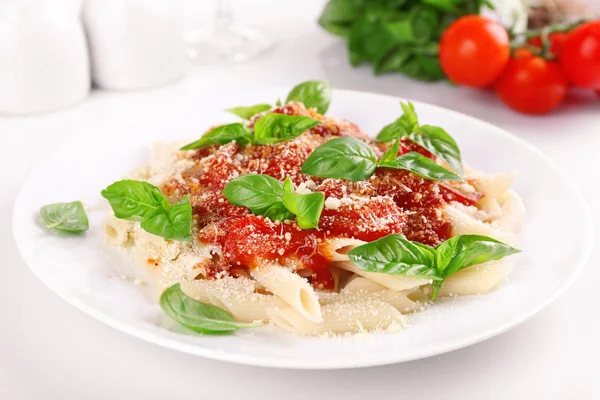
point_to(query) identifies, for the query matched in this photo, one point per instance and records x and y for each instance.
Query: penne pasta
(394, 282)
(235, 296)
(116, 231)
(291, 288)
(478, 279)
(354, 316)
(464, 224)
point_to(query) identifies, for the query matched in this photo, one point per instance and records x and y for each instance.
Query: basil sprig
(352, 159)
(65, 217)
(142, 202)
(421, 166)
(396, 255)
(432, 138)
(270, 128)
(257, 192)
(222, 135)
(273, 128)
(396, 36)
(313, 94)
(198, 316)
(265, 195)
(344, 158)
(407, 123)
(306, 207)
(248, 112)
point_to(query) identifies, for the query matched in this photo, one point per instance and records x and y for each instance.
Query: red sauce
(391, 201)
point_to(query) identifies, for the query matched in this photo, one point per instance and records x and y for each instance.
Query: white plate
(556, 240)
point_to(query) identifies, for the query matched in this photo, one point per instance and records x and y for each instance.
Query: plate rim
(271, 362)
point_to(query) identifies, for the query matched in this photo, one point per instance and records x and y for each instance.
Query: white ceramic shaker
(134, 44)
(43, 57)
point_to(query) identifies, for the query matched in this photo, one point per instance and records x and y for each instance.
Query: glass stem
(224, 14)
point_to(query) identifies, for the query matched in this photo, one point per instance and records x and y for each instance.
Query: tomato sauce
(391, 201)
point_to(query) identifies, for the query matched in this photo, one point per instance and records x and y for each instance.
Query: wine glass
(227, 41)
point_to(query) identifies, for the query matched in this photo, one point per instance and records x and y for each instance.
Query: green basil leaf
(369, 40)
(197, 316)
(278, 212)
(222, 135)
(249, 112)
(444, 5)
(407, 123)
(306, 207)
(338, 16)
(289, 196)
(142, 202)
(422, 166)
(424, 23)
(256, 192)
(274, 128)
(345, 158)
(409, 118)
(402, 31)
(437, 141)
(175, 223)
(424, 67)
(66, 217)
(313, 94)
(394, 60)
(464, 251)
(134, 200)
(390, 155)
(396, 255)
(309, 207)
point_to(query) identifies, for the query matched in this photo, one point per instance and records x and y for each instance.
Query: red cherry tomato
(557, 39)
(532, 85)
(474, 51)
(580, 55)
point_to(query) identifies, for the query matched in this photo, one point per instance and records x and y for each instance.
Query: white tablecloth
(49, 350)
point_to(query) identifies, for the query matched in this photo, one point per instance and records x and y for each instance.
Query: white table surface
(50, 350)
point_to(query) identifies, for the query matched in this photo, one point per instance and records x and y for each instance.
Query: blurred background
(388, 46)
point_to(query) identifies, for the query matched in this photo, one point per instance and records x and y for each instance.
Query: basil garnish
(344, 158)
(306, 207)
(315, 94)
(396, 255)
(66, 217)
(265, 195)
(421, 166)
(465, 250)
(352, 159)
(432, 138)
(273, 128)
(407, 123)
(248, 112)
(142, 202)
(222, 135)
(197, 316)
(390, 155)
(437, 141)
(270, 128)
(256, 192)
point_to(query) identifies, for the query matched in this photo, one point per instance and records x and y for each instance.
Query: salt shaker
(134, 44)
(43, 57)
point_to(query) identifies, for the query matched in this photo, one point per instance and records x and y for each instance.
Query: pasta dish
(304, 221)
